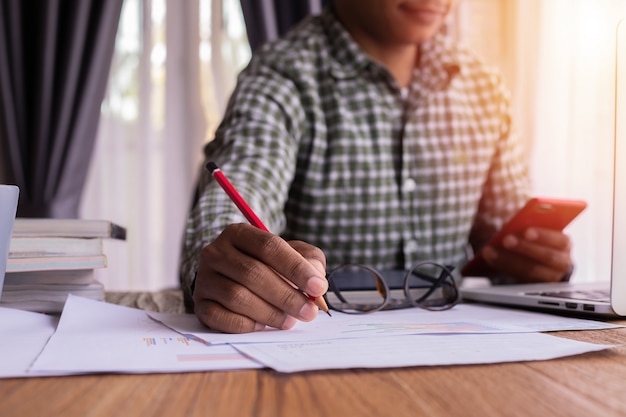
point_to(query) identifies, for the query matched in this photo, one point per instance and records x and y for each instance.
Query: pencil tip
(328, 312)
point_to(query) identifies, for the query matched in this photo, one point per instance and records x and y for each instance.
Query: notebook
(8, 206)
(606, 298)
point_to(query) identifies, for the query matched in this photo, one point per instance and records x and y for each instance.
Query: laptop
(8, 206)
(590, 298)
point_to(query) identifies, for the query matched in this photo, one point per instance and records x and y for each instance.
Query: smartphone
(547, 213)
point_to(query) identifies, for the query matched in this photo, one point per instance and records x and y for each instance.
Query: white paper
(23, 334)
(463, 318)
(414, 350)
(93, 336)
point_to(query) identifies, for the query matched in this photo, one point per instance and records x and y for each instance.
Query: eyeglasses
(358, 289)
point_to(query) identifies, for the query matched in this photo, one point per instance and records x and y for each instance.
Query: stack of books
(51, 258)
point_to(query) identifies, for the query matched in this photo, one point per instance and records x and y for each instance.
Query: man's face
(395, 22)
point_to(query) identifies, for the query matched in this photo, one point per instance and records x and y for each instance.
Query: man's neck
(399, 60)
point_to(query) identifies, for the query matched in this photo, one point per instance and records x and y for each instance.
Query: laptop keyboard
(590, 295)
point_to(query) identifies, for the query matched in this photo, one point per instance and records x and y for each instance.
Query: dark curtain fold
(55, 57)
(267, 20)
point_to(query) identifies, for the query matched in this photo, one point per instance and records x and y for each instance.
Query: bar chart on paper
(220, 353)
(158, 341)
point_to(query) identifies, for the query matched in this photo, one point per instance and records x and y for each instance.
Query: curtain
(55, 57)
(173, 68)
(267, 20)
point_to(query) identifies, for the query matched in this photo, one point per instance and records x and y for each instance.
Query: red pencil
(235, 196)
(245, 209)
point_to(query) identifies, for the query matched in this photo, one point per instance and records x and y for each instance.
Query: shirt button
(409, 185)
(411, 246)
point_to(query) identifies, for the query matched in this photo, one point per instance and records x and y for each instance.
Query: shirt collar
(439, 62)
(348, 59)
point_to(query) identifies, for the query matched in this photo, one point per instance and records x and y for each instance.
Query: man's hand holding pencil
(248, 278)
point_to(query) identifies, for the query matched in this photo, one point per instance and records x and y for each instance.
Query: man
(364, 136)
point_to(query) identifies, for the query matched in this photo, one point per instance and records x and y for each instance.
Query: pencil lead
(328, 312)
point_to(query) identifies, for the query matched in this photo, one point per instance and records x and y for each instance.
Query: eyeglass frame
(390, 303)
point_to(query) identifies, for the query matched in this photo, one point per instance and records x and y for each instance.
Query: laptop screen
(8, 205)
(618, 272)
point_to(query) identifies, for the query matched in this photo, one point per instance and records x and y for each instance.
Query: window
(174, 66)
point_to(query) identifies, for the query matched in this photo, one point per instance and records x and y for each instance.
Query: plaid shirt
(326, 148)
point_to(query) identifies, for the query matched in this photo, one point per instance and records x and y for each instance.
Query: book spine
(35, 247)
(56, 263)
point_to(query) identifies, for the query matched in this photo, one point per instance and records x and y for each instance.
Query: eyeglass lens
(431, 286)
(355, 289)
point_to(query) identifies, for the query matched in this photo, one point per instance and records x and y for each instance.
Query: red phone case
(548, 213)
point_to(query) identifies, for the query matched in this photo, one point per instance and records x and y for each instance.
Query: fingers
(311, 253)
(229, 307)
(520, 267)
(538, 255)
(273, 251)
(242, 284)
(216, 317)
(546, 237)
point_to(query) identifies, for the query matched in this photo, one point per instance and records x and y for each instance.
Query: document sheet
(422, 350)
(23, 334)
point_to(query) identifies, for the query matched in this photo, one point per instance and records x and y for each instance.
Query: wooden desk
(588, 385)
